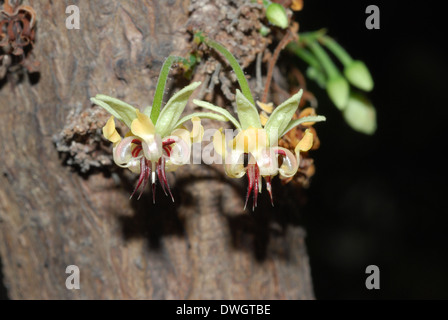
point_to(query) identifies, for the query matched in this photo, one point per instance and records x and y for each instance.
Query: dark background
(381, 200)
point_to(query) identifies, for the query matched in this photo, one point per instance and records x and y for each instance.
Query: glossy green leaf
(160, 88)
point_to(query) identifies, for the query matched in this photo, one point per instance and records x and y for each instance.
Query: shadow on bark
(262, 232)
(3, 291)
(152, 221)
(267, 226)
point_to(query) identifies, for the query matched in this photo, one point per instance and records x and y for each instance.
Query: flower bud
(338, 90)
(264, 31)
(276, 15)
(360, 114)
(358, 74)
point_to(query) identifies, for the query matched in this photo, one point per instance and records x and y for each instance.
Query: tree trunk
(62, 202)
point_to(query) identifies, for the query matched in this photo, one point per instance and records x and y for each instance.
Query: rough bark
(73, 208)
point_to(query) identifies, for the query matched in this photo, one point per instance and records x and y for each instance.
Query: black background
(381, 200)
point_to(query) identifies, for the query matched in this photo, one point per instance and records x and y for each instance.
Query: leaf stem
(288, 37)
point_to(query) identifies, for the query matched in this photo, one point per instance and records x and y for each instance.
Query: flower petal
(109, 131)
(251, 140)
(153, 148)
(197, 133)
(306, 143)
(143, 127)
(234, 164)
(182, 133)
(266, 107)
(219, 142)
(308, 112)
(123, 155)
(297, 5)
(180, 151)
(263, 118)
(267, 162)
(290, 163)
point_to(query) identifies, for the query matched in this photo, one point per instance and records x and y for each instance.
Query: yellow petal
(198, 130)
(307, 112)
(263, 118)
(182, 133)
(306, 143)
(219, 142)
(234, 165)
(251, 140)
(266, 107)
(109, 131)
(297, 5)
(143, 127)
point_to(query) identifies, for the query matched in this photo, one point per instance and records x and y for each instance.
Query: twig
(289, 36)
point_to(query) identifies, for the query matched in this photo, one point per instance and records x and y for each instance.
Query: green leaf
(119, 109)
(235, 66)
(161, 83)
(222, 111)
(247, 112)
(281, 117)
(202, 115)
(173, 109)
(295, 123)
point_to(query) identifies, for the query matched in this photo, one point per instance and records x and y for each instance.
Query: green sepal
(202, 115)
(119, 109)
(173, 110)
(222, 111)
(247, 112)
(297, 122)
(281, 117)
